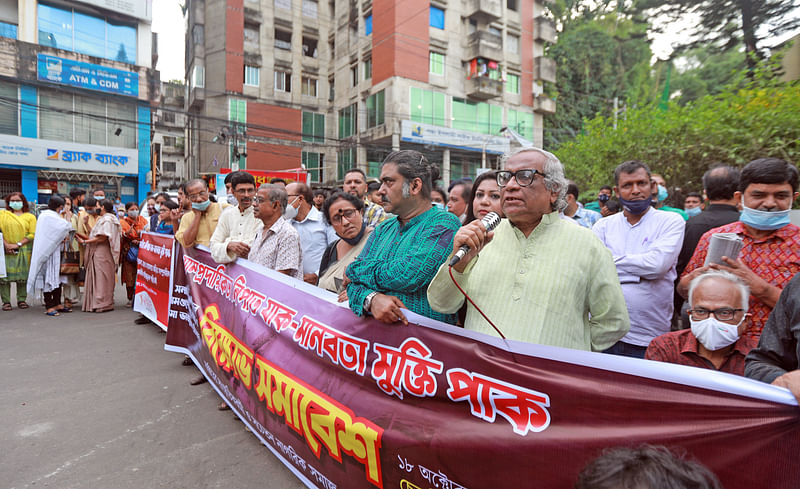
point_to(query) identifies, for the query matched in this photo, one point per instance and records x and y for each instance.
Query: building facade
(169, 126)
(279, 84)
(76, 86)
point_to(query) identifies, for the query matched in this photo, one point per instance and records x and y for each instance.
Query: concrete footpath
(94, 401)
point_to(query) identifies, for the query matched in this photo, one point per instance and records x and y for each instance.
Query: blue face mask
(635, 207)
(662, 194)
(764, 220)
(693, 211)
(202, 205)
(438, 205)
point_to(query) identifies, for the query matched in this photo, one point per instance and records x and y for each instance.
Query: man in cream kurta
(540, 279)
(237, 225)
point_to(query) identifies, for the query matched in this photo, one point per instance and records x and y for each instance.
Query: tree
(725, 24)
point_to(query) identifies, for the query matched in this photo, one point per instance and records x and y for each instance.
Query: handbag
(133, 254)
(70, 262)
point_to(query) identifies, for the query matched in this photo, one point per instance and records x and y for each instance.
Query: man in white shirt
(237, 226)
(315, 235)
(645, 243)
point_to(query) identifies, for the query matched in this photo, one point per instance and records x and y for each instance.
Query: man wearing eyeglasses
(237, 225)
(537, 277)
(645, 243)
(199, 223)
(718, 314)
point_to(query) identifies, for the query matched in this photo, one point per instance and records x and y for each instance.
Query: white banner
(417, 132)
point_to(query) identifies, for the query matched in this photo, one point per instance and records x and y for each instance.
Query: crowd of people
(626, 274)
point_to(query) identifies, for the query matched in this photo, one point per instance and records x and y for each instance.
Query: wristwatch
(19, 244)
(368, 300)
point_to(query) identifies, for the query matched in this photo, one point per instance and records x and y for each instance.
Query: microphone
(490, 221)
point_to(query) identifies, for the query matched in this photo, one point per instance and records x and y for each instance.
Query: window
(313, 127)
(283, 81)
(476, 116)
(309, 47)
(512, 43)
(168, 117)
(312, 162)
(283, 39)
(199, 76)
(169, 166)
(427, 107)
(309, 86)
(81, 119)
(251, 37)
(169, 141)
(354, 76)
(368, 68)
(332, 49)
(252, 75)
(496, 32)
(345, 160)
(348, 121)
(437, 18)
(472, 26)
(284, 4)
(436, 62)
(375, 109)
(522, 122)
(310, 8)
(198, 34)
(331, 88)
(72, 30)
(512, 83)
(375, 158)
(8, 30)
(368, 25)
(484, 67)
(9, 111)
(512, 5)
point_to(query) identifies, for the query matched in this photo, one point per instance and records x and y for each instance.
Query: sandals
(52, 313)
(64, 309)
(6, 306)
(22, 305)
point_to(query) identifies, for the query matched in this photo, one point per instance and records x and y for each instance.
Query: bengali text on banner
(153, 278)
(350, 402)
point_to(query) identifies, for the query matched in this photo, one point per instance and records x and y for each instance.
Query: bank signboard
(428, 134)
(60, 155)
(87, 75)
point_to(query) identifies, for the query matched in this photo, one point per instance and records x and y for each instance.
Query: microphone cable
(450, 269)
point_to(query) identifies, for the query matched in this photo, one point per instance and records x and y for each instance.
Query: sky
(170, 25)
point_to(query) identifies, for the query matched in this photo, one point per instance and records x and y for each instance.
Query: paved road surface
(94, 401)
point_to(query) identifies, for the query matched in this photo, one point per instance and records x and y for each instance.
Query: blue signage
(86, 75)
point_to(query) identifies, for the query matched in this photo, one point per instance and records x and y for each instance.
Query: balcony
(545, 69)
(484, 44)
(483, 87)
(545, 30)
(197, 97)
(487, 10)
(544, 105)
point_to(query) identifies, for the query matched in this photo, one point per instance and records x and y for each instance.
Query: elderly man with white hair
(718, 302)
(538, 278)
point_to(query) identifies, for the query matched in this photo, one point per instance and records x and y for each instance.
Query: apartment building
(276, 84)
(169, 126)
(76, 86)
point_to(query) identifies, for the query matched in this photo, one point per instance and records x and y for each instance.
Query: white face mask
(291, 211)
(715, 334)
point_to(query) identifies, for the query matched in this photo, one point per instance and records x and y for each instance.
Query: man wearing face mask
(660, 194)
(315, 235)
(770, 254)
(718, 315)
(199, 224)
(645, 243)
(603, 196)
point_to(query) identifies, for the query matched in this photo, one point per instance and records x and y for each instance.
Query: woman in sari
(45, 270)
(345, 212)
(18, 227)
(101, 260)
(70, 290)
(132, 226)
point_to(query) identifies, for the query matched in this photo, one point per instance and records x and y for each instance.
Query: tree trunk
(749, 35)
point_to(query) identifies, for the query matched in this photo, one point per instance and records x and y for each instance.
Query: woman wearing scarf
(45, 270)
(18, 227)
(101, 260)
(70, 290)
(345, 212)
(168, 220)
(132, 226)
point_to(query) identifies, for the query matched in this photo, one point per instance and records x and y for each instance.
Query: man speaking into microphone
(538, 278)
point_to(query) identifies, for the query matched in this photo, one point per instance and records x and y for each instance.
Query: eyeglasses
(524, 177)
(260, 200)
(204, 193)
(722, 314)
(346, 213)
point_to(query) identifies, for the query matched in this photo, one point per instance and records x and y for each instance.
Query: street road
(94, 401)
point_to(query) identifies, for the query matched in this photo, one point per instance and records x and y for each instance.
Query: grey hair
(744, 290)
(276, 193)
(554, 179)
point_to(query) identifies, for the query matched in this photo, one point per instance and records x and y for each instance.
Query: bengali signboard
(352, 403)
(417, 132)
(87, 75)
(60, 155)
(153, 277)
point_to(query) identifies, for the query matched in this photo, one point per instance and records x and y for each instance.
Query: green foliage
(707, 73)
(733, 127)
